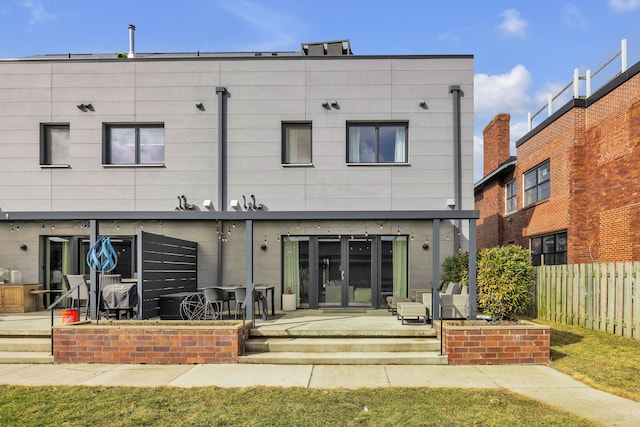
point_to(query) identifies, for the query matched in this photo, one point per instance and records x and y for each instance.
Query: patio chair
(79, 294)
(240, 296)
(213, 299)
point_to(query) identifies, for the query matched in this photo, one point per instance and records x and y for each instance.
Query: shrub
(505, 281)
(455, 269)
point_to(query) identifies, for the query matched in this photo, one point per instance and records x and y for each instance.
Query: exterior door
(344, 272)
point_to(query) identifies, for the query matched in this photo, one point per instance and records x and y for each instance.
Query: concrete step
(25, 344)
(333, 345)
(31, 357)
(345, 358)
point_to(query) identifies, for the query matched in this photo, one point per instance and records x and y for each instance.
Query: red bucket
(70, 315)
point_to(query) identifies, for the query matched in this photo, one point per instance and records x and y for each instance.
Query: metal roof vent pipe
(132, 29)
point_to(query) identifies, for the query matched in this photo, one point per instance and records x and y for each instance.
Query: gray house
(344, 177)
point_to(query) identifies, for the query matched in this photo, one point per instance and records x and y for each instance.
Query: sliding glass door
(344, 272)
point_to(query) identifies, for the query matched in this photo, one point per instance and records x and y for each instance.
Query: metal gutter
(235, 216)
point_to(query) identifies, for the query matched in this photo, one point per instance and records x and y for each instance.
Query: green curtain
(66, 257)
(292, 266)
(399, 266)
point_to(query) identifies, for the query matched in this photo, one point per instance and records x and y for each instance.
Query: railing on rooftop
(575, 83)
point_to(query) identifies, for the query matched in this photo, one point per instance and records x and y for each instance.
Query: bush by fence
(603, 296)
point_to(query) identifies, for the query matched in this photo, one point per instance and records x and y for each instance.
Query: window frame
(511, 199)
(540, 183)
(542, 254)
(46, 148)
(377, 125)
(106, 145)
(285, 147)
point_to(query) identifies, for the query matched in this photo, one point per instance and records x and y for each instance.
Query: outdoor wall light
(85, 107)
(23, 247)
(326, 106)
(335, 105)
(423, 105)
(208, 204)
(425, 246)
(263, 246)
(200, 106)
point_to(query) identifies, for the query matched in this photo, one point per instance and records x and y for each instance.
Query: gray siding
(263, 93)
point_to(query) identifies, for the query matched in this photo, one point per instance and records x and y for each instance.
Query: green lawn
(261, 406)
(604, 361)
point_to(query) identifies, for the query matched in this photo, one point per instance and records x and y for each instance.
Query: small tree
(455, 269)
(505, 281)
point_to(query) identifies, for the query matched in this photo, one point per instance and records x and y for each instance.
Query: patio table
(265, 289)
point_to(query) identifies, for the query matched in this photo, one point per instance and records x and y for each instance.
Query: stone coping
(155, 324)
(471, 325)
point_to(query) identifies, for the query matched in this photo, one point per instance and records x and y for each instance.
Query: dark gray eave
(505, 166)
(582, 102)
(204, 56)
(239, 215)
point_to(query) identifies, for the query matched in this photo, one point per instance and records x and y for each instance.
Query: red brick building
(572, 193)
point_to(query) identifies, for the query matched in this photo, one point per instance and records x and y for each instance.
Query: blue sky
(523, 49)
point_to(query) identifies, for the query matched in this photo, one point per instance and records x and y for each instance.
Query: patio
(301, 322)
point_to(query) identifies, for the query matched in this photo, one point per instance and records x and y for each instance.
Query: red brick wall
(495, 345)
(172, 343)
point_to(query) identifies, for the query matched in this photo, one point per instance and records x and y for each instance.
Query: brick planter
(149, 342)
(470, 343)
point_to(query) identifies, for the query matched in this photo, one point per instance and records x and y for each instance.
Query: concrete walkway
(541, 383)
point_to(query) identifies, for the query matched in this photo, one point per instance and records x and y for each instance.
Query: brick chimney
(496, 142)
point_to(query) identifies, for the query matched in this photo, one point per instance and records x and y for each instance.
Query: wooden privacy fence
(596, 296)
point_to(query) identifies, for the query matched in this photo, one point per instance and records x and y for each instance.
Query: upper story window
(510, 196)
(537, 184)
(550, 249)
(54, 144)
(133, 144)
(377, 142)
(296, 143)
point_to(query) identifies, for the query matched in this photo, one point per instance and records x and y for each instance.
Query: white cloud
(478, 157)
(37, 11)
(573, 17)
(502, 93)
(624, 5)
(512, 25)
(273, 26)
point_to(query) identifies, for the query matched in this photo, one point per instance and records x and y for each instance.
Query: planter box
(474, 343)
(164, 342)
(289, 302)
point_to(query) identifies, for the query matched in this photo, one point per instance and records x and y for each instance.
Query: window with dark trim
(133, 144)
(510, 196)
(377, 142)
(537, 184)
(54, 144)
(550, 249)
(296, 143)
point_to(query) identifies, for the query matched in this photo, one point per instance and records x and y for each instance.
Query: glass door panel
(360, 278)
(330, 272)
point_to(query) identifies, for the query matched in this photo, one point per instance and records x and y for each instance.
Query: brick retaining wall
(526, 343)
(149, 342)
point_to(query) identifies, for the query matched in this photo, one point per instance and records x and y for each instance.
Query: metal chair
(240, 295)
(79, 294)
(213, 299)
